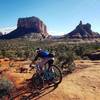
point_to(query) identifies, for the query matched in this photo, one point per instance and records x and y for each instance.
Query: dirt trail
(82, 84)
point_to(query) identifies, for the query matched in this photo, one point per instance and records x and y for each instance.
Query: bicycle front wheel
(56, 73)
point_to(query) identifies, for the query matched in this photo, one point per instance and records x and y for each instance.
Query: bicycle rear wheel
(37, 81)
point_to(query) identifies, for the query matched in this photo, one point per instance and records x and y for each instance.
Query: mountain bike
(51, 75)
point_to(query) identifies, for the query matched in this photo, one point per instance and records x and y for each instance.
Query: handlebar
(32, 66)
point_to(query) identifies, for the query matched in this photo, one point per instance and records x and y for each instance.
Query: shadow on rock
(28, 92)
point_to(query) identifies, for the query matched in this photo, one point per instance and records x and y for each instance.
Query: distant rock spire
(80, 23)
(83, 31)
(1, 33)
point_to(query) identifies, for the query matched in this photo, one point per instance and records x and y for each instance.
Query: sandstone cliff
(83, 31)
(28, 27)
(33, 23)
(1, 34)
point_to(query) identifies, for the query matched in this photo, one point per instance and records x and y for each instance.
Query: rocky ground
(82, 84)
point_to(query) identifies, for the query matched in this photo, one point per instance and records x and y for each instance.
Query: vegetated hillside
(28, 27)
(24, 48)
(83, 31)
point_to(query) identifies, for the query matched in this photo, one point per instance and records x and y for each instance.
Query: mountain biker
(46, 58)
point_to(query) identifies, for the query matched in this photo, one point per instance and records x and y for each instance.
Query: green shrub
(6, 86)
(23, 48)
(0, 65)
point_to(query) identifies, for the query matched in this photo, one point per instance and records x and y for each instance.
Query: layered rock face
(83, 31)
(28, 27)
(34, 24)
(1, 34)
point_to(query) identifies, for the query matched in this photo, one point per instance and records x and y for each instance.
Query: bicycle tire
(37, 81)
(57, 71)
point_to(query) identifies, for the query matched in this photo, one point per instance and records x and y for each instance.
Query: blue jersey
(44, 54)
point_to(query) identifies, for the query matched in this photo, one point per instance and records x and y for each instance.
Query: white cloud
(55, 33)
(7, 29)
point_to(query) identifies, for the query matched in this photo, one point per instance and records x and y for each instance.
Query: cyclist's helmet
(38, 50)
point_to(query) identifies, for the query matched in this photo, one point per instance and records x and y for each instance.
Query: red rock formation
(33, 23)
(83, 31)
(1, 34)
(28, 27)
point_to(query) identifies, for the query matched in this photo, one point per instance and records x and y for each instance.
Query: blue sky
(60, 16)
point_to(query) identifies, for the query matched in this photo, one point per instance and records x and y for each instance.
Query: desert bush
(85, 58)
(80, 50)
(3, 53)
(0, 65)
(11, 64)
(6, 87)
(23, 48)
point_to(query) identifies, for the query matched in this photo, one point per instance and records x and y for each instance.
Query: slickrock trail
(82, 84)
